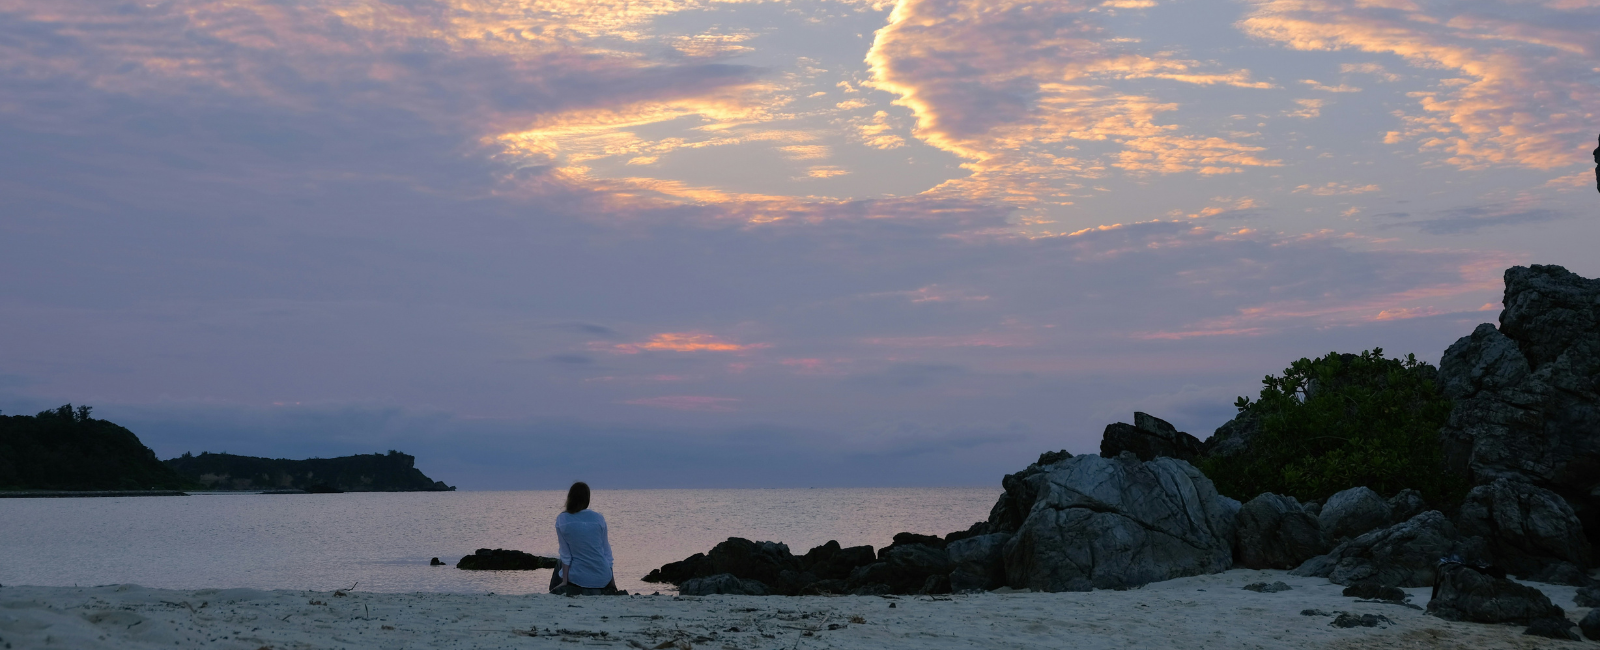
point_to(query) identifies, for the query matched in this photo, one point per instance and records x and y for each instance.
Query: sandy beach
(1201, 612)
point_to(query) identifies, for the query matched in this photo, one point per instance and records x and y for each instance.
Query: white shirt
(585, 548)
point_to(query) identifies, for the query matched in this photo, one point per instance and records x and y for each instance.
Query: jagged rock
(762, 561)
(681, 571)
(1402, 555)
(1591, 625)
(1118, 523)
(1530, 530)
(436, 562)
(1275, 532)
(1465, 594)
(830, 562)
(722, 583)
(1587, 597)
(1353, 512)
(1148, 437)
(910, 539)
(1527, 395)
(1233, 437)
(1016, 501)
(1374, 591)
(1553, 628)
(1406, 504)
(905, 568)
(504, 560)
(1266, 588)
(979, 562)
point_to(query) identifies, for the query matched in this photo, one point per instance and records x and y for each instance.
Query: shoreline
(69, 494)
(1211, 611)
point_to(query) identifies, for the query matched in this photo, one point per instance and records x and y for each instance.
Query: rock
(1406, 504)
(1527, 395)
(905, 569)
(1587, 597)
(1374, 591)
(936, 584)
(1530, 530)
(1233, 437)
(681, 571)
(503, 560)
(1118, 523)
(722, 583)
(1275, 532)
(910, 539)
(1314, 612)
(1347, 619)
(1313, 508)
(1016, 501)
(1402, 555)
(1591, 625)
(1465, 594)
(1265, 588)
(761, 561)
(1553, 628)
(1148, 437)
(978, 562)
(435, 562)
(1352, 512)
(830, 562)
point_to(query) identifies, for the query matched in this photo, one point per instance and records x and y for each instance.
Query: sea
(382, 542)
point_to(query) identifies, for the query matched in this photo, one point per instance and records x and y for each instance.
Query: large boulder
(1527, 395)
(1353, 512)
(1530, 530)
(744, 559)
(1117, 523)
(1406, 504)
(1465, 594)
(500, 559)
(1016, 501)
(1275, 532)
(978, 563)
(831, 562)
(904, 569)
(722, 583)
(1148, 437)
(1402, 555)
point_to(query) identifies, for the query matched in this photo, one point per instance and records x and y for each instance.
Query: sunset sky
(701, 243)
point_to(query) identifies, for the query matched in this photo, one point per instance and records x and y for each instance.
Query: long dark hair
(577, 497)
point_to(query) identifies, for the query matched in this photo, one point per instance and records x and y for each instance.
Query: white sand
(1190, 613)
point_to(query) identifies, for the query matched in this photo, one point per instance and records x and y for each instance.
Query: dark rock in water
(1402, 555)
(909, 539)
(1465, 594)
(1352, 512)
(677, 573)
(1265, 588)
(1591, 625)
(504, 560)
(1374, 591)
(1346, 619)
(1527, 395)
(979, 562)
(1553, 628)
(976, 529)
(435, 562)
(1117, 523)
(1275, 532)
(1406, 504)
(761, 561)
(1148, 437)
(1530, 530)
(1587, 597)
(722, 583)
(830, 562)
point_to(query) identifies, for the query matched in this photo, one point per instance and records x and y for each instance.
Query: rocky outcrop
(1465, 594)
(505, 560)
(1275, 532)
(1118, 523)
(1406, 504)
(1352, 512)
(1018, 494)
(1591, 625)
(722, 583)
(1233, 437)
(1149, 437)
(1402, 555)
(1530, 530)
(1527, 395)
(761, 561)
(978, 563)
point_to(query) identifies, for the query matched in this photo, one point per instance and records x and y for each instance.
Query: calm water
(384, 541)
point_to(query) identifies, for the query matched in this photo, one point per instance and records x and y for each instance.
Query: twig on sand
(341, 593)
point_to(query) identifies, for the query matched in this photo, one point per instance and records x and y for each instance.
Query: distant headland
(66, 452)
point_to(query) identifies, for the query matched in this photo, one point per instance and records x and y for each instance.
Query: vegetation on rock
(1341, 421)
(391, 472)
(66, 449)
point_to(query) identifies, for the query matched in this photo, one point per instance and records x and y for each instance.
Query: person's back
(585, 548)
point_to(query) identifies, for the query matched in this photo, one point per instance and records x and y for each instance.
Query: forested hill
(65, 449)
(391, 472)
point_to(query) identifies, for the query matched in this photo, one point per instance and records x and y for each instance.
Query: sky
(720, 243)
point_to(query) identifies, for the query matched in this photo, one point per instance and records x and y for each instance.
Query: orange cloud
(685, 342)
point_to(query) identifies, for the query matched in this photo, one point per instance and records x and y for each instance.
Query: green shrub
(1337, 422)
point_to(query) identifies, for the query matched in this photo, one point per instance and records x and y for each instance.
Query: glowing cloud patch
(685, 342)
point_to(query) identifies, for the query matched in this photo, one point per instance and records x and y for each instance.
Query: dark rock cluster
(505, 560)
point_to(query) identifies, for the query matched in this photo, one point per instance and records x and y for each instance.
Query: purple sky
(710, 243)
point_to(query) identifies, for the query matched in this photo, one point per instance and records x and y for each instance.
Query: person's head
(577, 497)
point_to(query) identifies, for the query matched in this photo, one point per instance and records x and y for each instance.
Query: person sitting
(585, 549)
